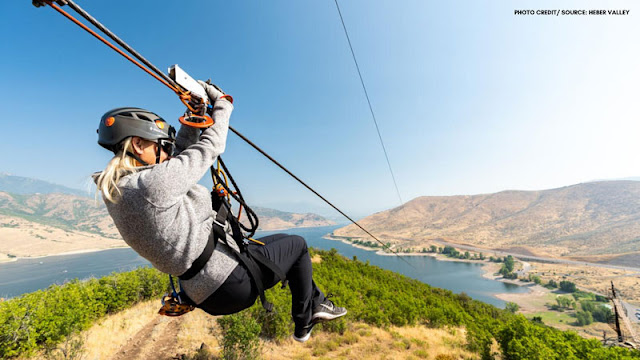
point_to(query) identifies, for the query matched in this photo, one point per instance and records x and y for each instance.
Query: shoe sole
(304, 338)
(325, 316)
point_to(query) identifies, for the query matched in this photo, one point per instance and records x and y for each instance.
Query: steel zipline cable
(366, 94)
(160, 76)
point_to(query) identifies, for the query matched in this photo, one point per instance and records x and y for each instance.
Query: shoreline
(7, 260)
(74, 252)
(489, 269)
(439, 257)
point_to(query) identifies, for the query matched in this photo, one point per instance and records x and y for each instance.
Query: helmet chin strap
(130, 154)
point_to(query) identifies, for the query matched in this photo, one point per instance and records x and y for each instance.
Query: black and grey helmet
(121, 123)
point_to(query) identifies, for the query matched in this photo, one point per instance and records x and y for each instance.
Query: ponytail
(121, 164)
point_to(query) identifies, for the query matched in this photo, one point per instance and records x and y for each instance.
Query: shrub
(552, 284)
(240, 336)
(584, 318)
(602, 314)
(50, 317)
(512, 307)
(567, 286)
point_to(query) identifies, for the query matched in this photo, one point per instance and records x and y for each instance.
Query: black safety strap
(216, 234)
(250, 259)
(201, 261)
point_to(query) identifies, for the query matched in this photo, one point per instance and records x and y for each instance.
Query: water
(452, 275)
(27, 275)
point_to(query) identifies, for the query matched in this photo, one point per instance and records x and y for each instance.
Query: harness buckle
(216, 222)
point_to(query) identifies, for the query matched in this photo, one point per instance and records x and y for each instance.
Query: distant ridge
(24, 185)
(271, 219)
(40, 218)
(594, 220)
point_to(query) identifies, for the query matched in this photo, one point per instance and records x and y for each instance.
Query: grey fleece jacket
(166, 216)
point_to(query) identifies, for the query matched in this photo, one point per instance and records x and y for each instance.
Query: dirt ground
(597, 280)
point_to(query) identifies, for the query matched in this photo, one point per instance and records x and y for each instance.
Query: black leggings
(290, 254)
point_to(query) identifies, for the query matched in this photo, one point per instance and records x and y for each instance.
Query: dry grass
(104, 339)
(197, 328)
(362, 341)
(139, 333)
(24, 238)
(594, 279)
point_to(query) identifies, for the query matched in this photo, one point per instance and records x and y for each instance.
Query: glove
(214, 92)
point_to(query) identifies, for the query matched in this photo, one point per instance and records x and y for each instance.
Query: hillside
(271, 219)
(54, 223)
(584, 220)
(390, 316)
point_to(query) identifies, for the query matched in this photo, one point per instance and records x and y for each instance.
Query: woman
(151, 191)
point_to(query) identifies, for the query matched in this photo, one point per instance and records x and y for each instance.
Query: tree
(448, 250)
(602, 314)
(552, 284)
(512, 307)
(509, 263)
(584, 318)
(567, 286)
(535, 278)
(433, 248)
(587, 306)
(537, 319)
(564, 302)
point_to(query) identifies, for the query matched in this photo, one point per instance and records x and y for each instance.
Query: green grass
(552, 318)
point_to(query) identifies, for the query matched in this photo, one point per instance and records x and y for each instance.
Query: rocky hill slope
(54, 223)
(271, 219)
(590, 219)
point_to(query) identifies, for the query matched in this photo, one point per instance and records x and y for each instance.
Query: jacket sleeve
(186, 137)
(166, 183)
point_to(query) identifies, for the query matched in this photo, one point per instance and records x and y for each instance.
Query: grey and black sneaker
(327, 311)
(303, 334)
(323, 312)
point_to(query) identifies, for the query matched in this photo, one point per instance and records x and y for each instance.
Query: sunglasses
(168, 146)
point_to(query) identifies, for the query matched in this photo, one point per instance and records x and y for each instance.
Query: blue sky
(469, 97)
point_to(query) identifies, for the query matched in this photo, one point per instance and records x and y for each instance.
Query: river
(27, 275)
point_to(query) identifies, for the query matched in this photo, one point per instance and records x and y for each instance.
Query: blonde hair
(120, 165)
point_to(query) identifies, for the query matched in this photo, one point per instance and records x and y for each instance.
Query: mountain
(271, 219)
(53, 223)
(63, 211)
(590, 219)
(23, 185)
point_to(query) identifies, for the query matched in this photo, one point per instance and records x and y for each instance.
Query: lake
(27, 275)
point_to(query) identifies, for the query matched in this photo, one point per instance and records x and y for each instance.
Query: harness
(248, 257)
